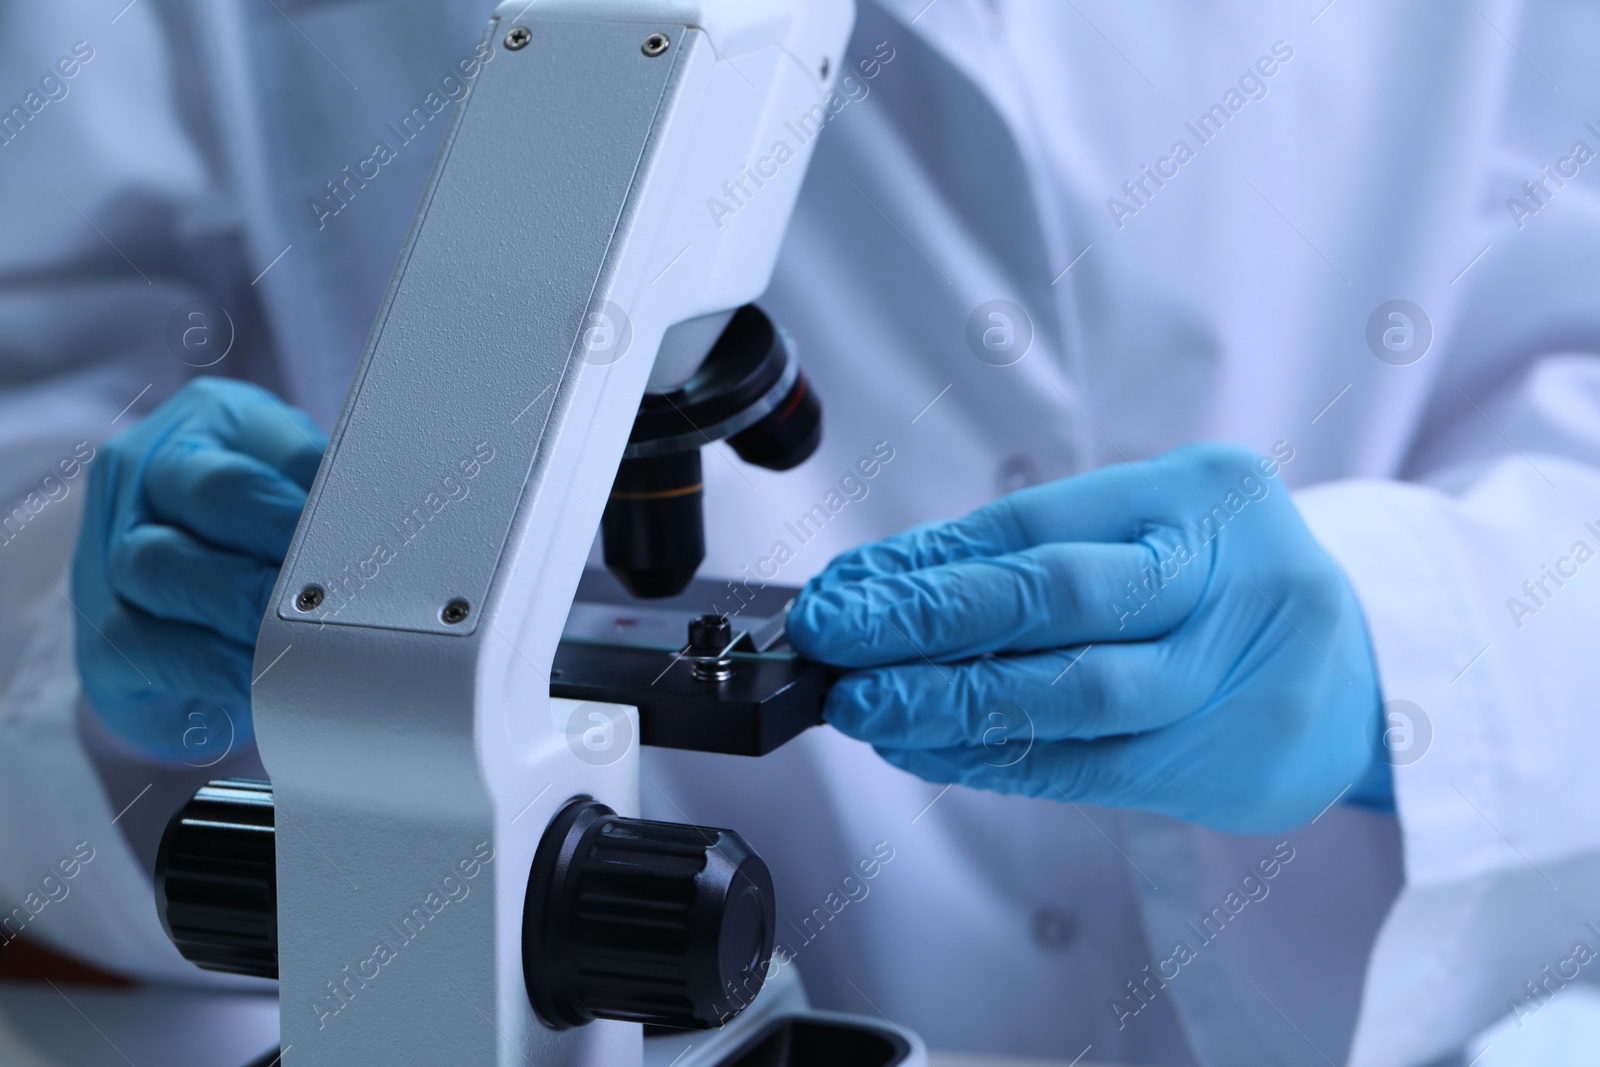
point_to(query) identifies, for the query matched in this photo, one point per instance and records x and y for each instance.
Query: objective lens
(787, 435)
(653, 529)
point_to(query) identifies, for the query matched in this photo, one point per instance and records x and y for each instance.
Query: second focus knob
(216, 879)
(644, 921)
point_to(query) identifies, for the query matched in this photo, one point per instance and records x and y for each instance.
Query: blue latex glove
(188, 518)
(1166, 637)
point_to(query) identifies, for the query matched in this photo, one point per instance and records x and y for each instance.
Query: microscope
(447, 866)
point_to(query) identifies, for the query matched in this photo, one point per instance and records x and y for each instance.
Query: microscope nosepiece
(749, 390)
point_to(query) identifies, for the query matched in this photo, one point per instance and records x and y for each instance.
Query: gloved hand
(1166, 637)
(189, 515)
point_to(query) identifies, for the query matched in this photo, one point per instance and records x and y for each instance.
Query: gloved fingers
(988, 531)
(1188, 771)
(171, 575)
(197, 732)
(282, 437)
(1008, 702)
(132, 653)
(1051, 596)
(1102, 773)
(1112, 504)
(244, 417)
(230, 499)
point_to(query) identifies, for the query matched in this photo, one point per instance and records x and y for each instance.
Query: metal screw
(710, 638)
(455, 611)
(309, 599)
(518, 38)
(655, 44)
(712, 670)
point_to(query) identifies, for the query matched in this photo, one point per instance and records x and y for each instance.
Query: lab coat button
(1055, 929)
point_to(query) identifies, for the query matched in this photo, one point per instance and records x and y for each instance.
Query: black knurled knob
(644, 921)
(216, 879)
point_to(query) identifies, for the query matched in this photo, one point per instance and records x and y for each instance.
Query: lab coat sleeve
(111, 225)
(1480, 579)
(68, 877)
(1479, 572)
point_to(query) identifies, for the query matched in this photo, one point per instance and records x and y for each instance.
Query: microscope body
(566, 259)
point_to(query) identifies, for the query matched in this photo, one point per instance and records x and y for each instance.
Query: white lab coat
(1386, 160)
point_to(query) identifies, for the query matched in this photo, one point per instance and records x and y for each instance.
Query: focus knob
(644, 921)
(216, 881)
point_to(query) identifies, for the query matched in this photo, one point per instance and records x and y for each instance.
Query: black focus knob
(644, 921)
(216, 879)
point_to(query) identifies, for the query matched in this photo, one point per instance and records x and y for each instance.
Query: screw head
(518, 38)
(655, 44)
(455, 611)
(310, 598)
(709, 633)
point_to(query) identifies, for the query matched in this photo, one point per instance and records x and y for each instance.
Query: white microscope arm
(403, 709)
